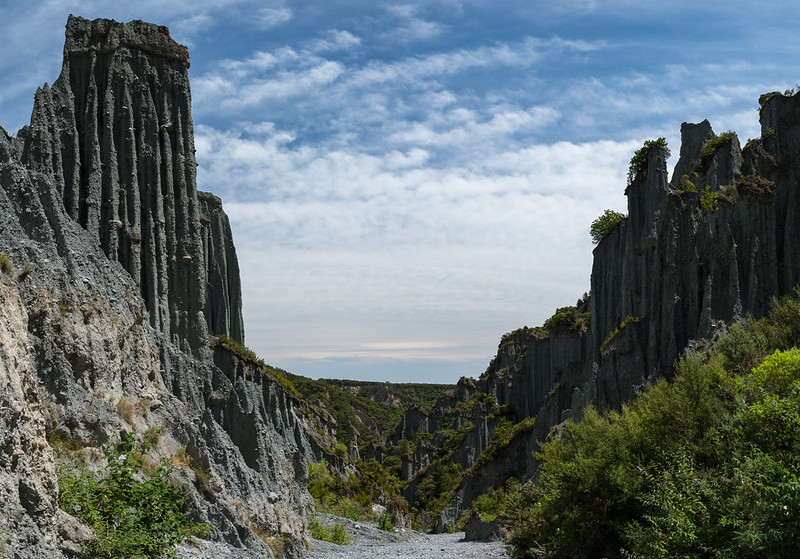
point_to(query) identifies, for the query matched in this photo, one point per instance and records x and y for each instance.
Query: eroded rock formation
(695, 253)
(117, 272)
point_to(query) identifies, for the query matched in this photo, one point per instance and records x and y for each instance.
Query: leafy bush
(570, 318)
(711, 146)
(703, 466)
(638, 162)
(385, 522)
(351, 496)
(709, 200)
(494, 503)
(136, 510)
(686, 185)
(335, 533)
(604, 225)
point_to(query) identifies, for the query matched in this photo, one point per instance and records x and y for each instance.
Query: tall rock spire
(115, 132)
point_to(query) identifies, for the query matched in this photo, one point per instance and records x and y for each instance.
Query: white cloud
(355, 250)
(335, 40)
(269, 17)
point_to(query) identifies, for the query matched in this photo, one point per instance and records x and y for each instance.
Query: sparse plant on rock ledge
(638, 162)
(5, 264)
(711, 146)
(604, 225)
(709, 200)
(247, 353)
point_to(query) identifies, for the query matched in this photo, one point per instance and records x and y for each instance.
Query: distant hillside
(373, 409)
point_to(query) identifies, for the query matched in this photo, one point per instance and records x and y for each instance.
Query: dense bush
(604, 225)
(352, 495)
(335, 532)
(134, 507)
(704, 466)
(638, 162)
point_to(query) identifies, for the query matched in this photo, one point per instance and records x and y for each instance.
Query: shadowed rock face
(115, 135)
(224, 287)
(119, 270)
(668, 278)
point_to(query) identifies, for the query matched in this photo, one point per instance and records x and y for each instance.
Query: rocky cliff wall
(223, 309)
(696, 252)
(114, 133)
(117, 269)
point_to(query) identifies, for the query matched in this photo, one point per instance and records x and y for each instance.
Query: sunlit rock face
(118, 275)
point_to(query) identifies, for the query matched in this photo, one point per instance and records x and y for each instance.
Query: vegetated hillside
(365, 412)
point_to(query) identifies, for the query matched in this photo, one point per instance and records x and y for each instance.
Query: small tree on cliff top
(639, 160)
(604, 225)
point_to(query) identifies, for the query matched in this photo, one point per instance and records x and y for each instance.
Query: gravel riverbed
(367, 542)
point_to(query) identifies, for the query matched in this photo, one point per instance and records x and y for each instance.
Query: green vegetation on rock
(709, 200)
(134, 507)
(605, 224)
(352, 495)
(334, 532)
(373, 408)
(711, 146)
(705, 465)
(638, 162)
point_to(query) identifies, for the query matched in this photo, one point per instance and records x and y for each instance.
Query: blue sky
(409, 180)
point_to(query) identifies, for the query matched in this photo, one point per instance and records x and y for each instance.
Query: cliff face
(695, 253)
(117, 271)
(681, 266)
(114, 134)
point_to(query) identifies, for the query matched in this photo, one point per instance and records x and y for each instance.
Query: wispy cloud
(409, 180)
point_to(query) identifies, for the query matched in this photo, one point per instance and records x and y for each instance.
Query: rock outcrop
(695, 253)
(114, 134)
(114, 271)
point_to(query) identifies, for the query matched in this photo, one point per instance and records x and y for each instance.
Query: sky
(407, 181)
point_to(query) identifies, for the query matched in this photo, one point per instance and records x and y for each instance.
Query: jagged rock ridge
(115, 134)
(119, 270)
(695, 253)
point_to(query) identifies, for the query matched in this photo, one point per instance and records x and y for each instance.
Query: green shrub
(703, 466)
(686, 185)
(335, 533)
(136, 510)
(605, 224)
(709, 200)
(5, 264)
(494, 503)
(385, 522)
(711, 146)
(571, 318)
(779, 374)
(638, 162)
(351, 496)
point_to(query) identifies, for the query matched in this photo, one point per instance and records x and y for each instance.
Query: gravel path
(368, 542)
(371, 543)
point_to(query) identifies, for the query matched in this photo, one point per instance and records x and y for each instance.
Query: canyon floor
(368, 542)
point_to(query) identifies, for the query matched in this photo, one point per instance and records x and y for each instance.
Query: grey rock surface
(668, 278)
(368, 542)
(119, 271)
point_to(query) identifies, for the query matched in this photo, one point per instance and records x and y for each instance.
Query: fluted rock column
(115, 133)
